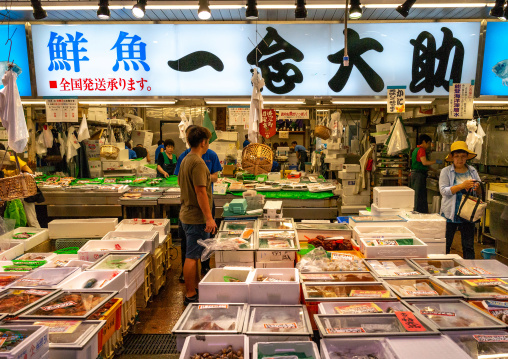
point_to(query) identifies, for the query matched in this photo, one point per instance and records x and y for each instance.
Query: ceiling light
(103, 12)
(247, 102)
(251, 13)
(138, 10)
(355, 10)
(497, 10)
(204, 10)
(108, 103)
(381, 102)
(489, 102)
(300, 11)
(33, 102)
(39, 12)
(404, 8)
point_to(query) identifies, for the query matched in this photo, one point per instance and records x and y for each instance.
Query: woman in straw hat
(455, 180)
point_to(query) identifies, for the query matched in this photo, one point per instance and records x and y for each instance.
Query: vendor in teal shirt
(166, 162)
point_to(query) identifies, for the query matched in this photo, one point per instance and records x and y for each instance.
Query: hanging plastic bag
(397, 140)
(6, 225)
(71, 144)
(12, 114)
(211, 245)
(40, 147)
(83, 133)
(47, 135)
(14, 210)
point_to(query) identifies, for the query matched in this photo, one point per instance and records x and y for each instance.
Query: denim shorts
(193, 232)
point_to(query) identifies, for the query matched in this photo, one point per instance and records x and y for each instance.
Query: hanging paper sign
(62, 110)
(284, 134)
(461, 101)
(267, 126)
(238, 116)
(396, 102)
(293, 114)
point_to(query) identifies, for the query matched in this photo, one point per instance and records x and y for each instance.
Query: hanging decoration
(256, 105)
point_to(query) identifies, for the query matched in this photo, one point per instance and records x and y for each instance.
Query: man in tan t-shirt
(196, 206)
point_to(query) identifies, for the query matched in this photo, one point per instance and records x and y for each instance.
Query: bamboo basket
(322, 132)
(19, 186)
(257, 158)
(109, 152)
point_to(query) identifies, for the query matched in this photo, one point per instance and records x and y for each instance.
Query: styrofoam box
(364, 213)
(213, 344)
(234, 256)
(380, 231)
(335, 161)
(60, 257)
(161, 224)
(110, 280)
(48, 256)
(356, 199)
(418, 250)
(349, 183)
(151, 238)
(309, 349)
(356, 348)
(275, 264)
(234, 264)
(383, 127)
(426, 226)
(394, 197)
(11, 250)
(214, 289)
(41, 235)
(81, 228)
(377, 211)
(352, 209)
(329, 307)
(347, 175)
(79, 264)
(436, 246)
(33, 347)
(94, 250)
(351, 168)
(272, 256)
(350, 191)
(279, 293)
(5, 263)
(436, 346)
(312, 233)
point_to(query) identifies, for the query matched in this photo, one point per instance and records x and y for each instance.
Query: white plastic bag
(47, 135)
(211, 245)
(11, 113)
(40, 147)
(83, 133)
(397, 141)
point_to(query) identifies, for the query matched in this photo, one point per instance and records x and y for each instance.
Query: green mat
(292, 194)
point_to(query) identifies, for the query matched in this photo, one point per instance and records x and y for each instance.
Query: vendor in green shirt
(166, 162)
(419, 168)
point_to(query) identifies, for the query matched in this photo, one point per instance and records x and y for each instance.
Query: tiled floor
(165, 309)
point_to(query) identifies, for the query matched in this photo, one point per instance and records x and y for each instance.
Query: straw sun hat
(460, 146)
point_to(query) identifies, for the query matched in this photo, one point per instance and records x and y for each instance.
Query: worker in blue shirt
(160, 148)
(132, 154)
(246, 142)
(212, 162)
(301, 154)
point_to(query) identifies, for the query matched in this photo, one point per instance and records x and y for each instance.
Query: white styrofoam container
(356, 348)
(343, 175)
(436, 246)
(213, 344)
(214, 289)
(272, 209)
(33, 347)
(94, 250)
(151, 238)
(275, 264)
(418, 250)
(379, 212)
(382, 231)
(426, 226)
(275, 256)
(351, 168)
(234, 256)
(81, 228)
(354, 209)
(279, 293)
(41, 235)
(161, 224)
(109, 280)
(329, 307)
(394, 197)
(234, 264)
(309, 348)
(53, 262)
(5, 263)
(11, 250)
(435, 346)
(356, 199)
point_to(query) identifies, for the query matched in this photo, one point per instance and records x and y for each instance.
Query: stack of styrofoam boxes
(144, 138)
(39, 235)
(384, 130)
(277, 286)
(352, 201)
(392, 200)
(137, 224)
(225, 145)
(335, 156)
(273, 210)
(214, 288)
(429, 228)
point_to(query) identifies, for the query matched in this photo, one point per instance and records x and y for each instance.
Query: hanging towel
(11, 113)
(83, 133)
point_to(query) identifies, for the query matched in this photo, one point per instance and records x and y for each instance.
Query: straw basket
(322, 132)
(19, 186)
(110, 152)
(257, 158)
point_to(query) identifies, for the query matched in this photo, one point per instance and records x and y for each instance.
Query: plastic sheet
(398, 141)
(211, 245)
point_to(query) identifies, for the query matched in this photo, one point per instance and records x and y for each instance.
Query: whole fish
(501, 70)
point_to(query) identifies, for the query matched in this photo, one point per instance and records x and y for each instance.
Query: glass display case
(482, 344)
(44, 277)
(356, 348)
(277, 240)
(394, 268)
(283, 224)
(421, 288)
(15, 301)
(124, 261)
(487, 268)
(349, 277)
(479, 288)
(270, 320)
(443, 267)
(365, 307)
(320, 292)
(240, 225)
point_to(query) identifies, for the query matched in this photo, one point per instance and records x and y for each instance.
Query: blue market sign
(216, 60)
(495, 61)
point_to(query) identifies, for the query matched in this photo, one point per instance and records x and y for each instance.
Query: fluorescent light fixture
(247, 102)
(322, 110)
(490, 102)
(108, 103)
(33, 102)
(380, 102)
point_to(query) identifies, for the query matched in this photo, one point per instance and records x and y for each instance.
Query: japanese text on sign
(293, 114)
(267, 125)
(409, 321)
(238, 116)
(396, 99)
(461, 101)
(60, 110)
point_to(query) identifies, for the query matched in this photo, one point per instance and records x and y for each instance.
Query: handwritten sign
(461, 101)
(293, 114)
(213, 306)
(238, 116)
(396, 102)
(267, 126)
(62, 110)
(485, 282)
(344, 330)
(409, 322)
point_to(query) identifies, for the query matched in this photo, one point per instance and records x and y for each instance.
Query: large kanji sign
(267, 126)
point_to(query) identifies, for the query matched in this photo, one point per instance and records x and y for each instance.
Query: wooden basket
(110, 152)
(322, 132)
(19, 186)
(257, 158)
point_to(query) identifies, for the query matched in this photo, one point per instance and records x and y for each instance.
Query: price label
(345, 330)
(37, 292)
(433, 312)
(405, 274)
(317, 276)
(480, 270)
(422, 293)
(280, 326)
(343, 257)
(491, 338)
(213, 306)
(58, 306)
(465, 271)
(370, 293)
(488, 282)
(60, 326)
(409, 322)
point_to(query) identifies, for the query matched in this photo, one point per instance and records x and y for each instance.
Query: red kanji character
(142, 83)
(131, 84)
(76, 84)
(88, 85)
(112, 84)
(66, 85)
(122, 83)
(100, 85)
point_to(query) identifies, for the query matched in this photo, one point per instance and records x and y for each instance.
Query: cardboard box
(350, 168)
(347, 175)
(144, 138)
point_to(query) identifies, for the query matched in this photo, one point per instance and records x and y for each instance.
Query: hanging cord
(345, 31)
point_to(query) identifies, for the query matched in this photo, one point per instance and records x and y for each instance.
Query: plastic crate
(168, 243)
(110, 348)
(113, 318)
(71, 242)
(144, 293)
(157, 262)
(159, 283)
(128, 314)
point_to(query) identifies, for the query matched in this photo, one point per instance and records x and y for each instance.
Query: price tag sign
(62, 110)
(441, 314)
(280, 326)
(213, 306)
(485, 282)
(345, 330)
(491, 338)
(409, 322)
